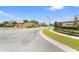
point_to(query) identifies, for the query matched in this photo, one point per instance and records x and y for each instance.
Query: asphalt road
(25, 40)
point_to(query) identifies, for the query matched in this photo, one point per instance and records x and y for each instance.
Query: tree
(15, 22)
(35, 22)
(56, 24)
(25, 21)
(44, 24)
(1, 25)
(6, 22)
(51, 24)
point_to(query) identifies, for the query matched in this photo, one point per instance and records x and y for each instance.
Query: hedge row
(69, 32)
(74, 28)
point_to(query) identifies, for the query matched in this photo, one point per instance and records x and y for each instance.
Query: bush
(73, 28)
(1, 25)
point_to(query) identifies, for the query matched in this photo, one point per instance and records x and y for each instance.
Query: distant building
(24, 25)
(74, 22)
(67, 23)
(9, 23)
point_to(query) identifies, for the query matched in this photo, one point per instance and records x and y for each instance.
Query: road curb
(73, 37)
(60, 45)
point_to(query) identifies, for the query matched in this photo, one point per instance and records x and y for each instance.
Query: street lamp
(48, 22)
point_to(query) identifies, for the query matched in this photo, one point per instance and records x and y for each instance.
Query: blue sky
(40, 13)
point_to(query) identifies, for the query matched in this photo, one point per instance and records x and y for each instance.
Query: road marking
(60, 45)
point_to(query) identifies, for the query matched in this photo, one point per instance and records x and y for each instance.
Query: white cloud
(9, 16)
(5, 14)
(1, 12)
(56, 7)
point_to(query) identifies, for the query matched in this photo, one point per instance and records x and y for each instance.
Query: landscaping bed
(73, 43)
(69, 32)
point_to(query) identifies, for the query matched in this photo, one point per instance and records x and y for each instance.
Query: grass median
(73, 43)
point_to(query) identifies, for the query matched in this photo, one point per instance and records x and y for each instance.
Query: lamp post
(48, 22)
(76, 21)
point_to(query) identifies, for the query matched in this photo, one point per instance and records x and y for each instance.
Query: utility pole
(48, 22)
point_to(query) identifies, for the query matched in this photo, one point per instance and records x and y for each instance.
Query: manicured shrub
(71, 28)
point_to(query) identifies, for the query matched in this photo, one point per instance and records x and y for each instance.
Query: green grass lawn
(73, 43)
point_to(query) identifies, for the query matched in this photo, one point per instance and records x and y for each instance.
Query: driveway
(25, 40)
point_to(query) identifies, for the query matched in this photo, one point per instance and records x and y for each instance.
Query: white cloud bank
(56, 7)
